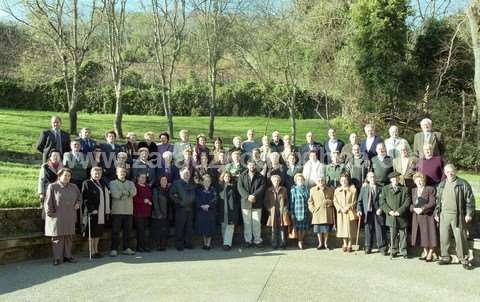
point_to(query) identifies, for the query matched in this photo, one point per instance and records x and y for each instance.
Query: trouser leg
(140, 230)
(116, 226)
(180, 220)
(380, 234)
(257, 225)
(369, 230)
(283, 237)
(403, 241)
(127, 222)
(67, 246)
(189, 229)
(460, 242)
(247, 225)
(274, 240)
(394, 233)
(228, 234)
(58, 247)
(445, 223)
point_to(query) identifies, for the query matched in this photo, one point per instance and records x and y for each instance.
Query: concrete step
(36, 245)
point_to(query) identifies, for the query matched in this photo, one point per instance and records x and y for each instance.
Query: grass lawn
(19, 160)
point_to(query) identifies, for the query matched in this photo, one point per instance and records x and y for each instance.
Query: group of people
(333, 187)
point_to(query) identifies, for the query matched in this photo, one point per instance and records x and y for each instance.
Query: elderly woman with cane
(96, 202)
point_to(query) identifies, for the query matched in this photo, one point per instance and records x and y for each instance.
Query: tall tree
(473, 13)
(169, 33)
(215, 18)
(380, 43)
(115, 14)
(69, 28)
(271, 49)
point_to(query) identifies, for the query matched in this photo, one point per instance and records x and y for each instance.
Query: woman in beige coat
(61, 204)
(320, 205)
(345, 201)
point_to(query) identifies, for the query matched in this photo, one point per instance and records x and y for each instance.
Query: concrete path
(240, 275)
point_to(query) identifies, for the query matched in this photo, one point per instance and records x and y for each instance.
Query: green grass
(19, 160)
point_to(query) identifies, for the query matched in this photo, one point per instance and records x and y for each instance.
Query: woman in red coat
(142, 210)
(424, 229)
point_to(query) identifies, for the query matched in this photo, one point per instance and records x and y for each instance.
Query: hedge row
(239, 98)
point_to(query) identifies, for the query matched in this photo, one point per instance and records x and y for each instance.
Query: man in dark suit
(54, 138)
(251, 186)
(427, 136)
(332, 145)
(309, 146)
(369, 145)
(368, 207)
(110, 150)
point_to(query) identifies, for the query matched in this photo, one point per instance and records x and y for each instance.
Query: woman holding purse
(320, 205)
(345, 201)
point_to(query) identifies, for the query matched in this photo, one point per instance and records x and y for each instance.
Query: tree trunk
(291, 109)
(118, 110)
(464, 119)
(72, 110)
(474, 21)
(167, 105)
(213, 91)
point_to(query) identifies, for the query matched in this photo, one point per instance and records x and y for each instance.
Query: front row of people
(199, 208)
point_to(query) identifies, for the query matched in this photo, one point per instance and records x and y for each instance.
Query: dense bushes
(239, 98)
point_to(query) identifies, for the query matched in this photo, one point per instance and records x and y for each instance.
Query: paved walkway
(248, 275)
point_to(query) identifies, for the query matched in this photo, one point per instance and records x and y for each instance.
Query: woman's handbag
(352, 216)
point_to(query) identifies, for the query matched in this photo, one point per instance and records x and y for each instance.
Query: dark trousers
(279, 237)
(159, 233)
(141, 224)
(121, 223)
(373, 227)
(398, 240)
(183, 228)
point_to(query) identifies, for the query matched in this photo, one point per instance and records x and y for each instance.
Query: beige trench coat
(345, 199)
(320, 204)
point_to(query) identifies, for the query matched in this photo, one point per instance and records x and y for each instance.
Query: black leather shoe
(368, 251)
(71, 260)
(259, 245)
(443, 262)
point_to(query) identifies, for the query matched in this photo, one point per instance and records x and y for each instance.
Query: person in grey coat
(61, 203)
(182, 193)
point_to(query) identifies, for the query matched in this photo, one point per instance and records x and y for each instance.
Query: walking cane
(356, 247)
(89, 238)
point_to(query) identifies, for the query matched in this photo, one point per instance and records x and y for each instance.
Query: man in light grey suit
(427, 136)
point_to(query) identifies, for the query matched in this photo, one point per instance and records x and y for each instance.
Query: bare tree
(270, 50)
(115, 15)
(169, 34)
(216, 18)
(473, 14)
(68, 31)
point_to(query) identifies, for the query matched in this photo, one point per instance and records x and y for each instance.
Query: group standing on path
(385, 185)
